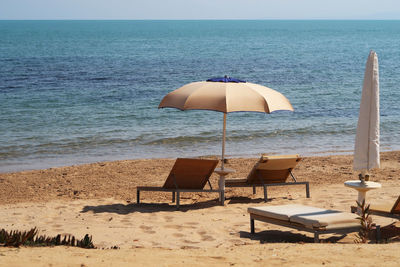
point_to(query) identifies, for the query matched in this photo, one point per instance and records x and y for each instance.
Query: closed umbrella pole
(223, 143)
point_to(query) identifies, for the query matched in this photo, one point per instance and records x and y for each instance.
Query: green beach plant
(366, 223)
(17, 238)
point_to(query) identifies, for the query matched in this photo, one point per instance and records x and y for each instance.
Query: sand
(99, 199)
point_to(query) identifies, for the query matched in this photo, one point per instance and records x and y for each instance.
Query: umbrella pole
(223, 143)
(221, 182)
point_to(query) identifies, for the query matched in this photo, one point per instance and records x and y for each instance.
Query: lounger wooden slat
(187, 175)
(270, 171)
(190, 173)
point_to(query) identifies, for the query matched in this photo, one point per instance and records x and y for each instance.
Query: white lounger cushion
(283, 212)
(327, 218)
(309, 217)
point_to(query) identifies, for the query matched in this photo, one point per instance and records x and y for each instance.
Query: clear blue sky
(199, 9)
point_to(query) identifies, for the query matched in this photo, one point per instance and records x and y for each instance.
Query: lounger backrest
(396, 207)
(190, 173)
(272, 169)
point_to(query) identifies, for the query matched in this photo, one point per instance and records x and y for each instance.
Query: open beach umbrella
(226, 95)
(366, 151)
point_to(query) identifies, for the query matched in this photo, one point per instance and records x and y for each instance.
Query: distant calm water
(84, 91)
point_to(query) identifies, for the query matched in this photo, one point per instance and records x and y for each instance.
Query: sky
(199, 9)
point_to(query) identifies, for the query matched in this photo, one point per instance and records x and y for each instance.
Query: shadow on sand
(119, 208)
(246, 200)
(276, 236)
(148, 207)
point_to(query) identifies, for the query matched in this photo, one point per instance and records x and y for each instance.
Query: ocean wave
(10, 87)
(100, 78)
(64, 146)
(245, 135)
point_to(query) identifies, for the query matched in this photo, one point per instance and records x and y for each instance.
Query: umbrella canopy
(226, 95)
(366, 151)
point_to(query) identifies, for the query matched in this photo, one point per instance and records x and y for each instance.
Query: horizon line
(263, 19)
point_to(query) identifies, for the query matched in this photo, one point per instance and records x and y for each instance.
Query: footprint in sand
(205, 237)
(177, 235)
(190, 241)
(126, 221)
(189, 247)
(168, 218)
(237, 242)
(29, 217)
(144, 227)
(179, 227)
(147, 229)
(218, 257)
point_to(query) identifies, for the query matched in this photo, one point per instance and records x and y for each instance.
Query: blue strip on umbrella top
(225, 79)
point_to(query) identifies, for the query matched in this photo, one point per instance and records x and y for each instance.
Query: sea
(74, 92)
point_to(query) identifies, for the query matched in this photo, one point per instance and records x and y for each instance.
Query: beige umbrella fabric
(226, 97)
(366, 151)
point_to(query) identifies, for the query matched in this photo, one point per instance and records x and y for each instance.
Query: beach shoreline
(19, 165)
(100, 199)
(69, 161)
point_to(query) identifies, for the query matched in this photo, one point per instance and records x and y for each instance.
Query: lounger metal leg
(177, 199)
(316, 237)
(307, 190)
(265, 194)
(137, 196)
(265, 187)
(254, 190)
(378, 233)
(173, 196)
(222, 197)
(252, 230)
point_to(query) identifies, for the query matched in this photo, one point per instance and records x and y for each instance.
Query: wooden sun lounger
(385, 210)
(305, 218)
(270, 171)
(187, 175)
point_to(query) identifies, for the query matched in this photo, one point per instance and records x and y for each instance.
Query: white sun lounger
(306, 218)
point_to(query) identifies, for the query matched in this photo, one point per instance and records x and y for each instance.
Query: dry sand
(99, 199)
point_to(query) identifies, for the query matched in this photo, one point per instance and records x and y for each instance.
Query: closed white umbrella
(366, 151)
